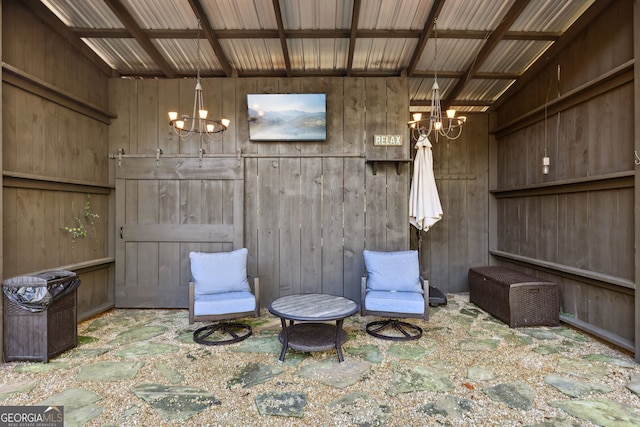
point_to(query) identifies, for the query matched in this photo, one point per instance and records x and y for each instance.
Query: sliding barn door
(166, 208)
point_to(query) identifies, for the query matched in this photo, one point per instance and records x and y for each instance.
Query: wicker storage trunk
(514, 297)
(41, 335)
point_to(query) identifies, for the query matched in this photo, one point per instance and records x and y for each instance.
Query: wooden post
(636, 103)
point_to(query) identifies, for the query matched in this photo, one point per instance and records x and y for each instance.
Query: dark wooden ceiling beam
(132, 26)
(282, 36)
(207, 29)
(59, 27)
(460, 74)
(496, 36)
(425, 35)
(469, 103)
(325, 73)
(353, 34)
(119, 33)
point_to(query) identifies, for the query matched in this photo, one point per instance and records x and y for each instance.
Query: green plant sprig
(88, 218)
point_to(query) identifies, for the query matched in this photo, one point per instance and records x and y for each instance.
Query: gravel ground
(210, 368)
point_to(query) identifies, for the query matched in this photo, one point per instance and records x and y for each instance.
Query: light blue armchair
(393, 288)
(219, 291)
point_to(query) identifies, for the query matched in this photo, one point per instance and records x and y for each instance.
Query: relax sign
(387, 140)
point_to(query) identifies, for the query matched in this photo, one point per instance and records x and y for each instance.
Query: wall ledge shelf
(27, 82)
(618, 284)
(398, 162)
(591, 183)
(40, 182)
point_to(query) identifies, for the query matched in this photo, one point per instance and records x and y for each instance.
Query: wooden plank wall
(573, 225)
(310, 208)
(55, 159)
(460, 239)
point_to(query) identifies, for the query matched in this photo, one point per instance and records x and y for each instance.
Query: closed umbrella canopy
(424, 203)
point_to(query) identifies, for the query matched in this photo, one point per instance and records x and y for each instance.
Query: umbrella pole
(419, 236)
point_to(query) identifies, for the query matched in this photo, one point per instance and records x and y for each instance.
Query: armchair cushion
(393, 271)
(223, 303)
(395, 302)
(221, 272)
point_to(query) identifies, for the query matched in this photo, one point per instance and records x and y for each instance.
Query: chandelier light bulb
(173, 115)
(179, 124)
(203, 114)
(451, 113)
(225, 122)
(417, 117)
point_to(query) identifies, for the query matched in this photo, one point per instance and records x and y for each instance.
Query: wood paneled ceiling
(486, 49)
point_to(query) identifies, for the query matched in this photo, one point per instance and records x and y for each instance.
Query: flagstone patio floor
(142, 368)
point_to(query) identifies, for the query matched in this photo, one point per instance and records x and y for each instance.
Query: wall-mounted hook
(158, 153)
(637, 159)
(200, 155)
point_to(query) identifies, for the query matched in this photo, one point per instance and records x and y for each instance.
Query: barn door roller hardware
(637, 159)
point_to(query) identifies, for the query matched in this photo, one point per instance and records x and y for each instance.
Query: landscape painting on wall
(287, 117)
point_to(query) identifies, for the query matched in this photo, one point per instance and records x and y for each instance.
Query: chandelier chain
(435, 49)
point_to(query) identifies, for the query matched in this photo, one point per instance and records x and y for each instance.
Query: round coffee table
(312, 308)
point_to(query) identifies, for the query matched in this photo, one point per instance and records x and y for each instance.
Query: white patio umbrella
(424, 203)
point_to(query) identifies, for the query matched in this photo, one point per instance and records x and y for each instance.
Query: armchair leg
(222, 333)
(396, 330)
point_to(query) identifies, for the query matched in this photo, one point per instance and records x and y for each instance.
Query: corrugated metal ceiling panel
(316, 14)
(382, 54)
(473, 15)
(83, 13)
(255, 55)
(513, 56)
(240, 14)
(477, 90)
(420, 88)
(394, 15)
(318, 54)
(126, 55)
(162, 14)
(453, 54)
(183, 55)
(550, 15)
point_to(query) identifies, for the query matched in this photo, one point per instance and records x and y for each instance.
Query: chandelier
(198, 124)
(450, 126)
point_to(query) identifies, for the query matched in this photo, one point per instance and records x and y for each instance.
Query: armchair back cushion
(220, 272)
(393, 271)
